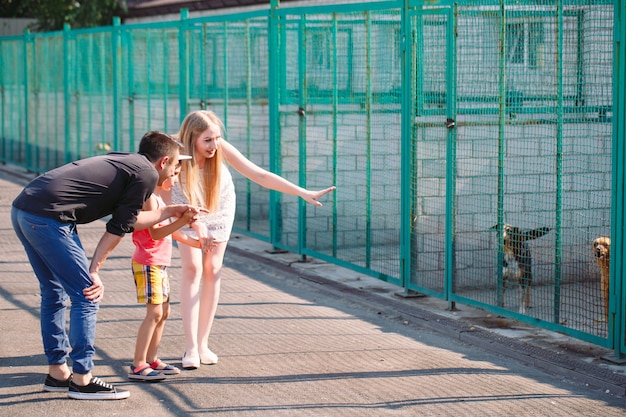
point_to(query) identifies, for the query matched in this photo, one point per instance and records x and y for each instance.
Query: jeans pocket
(33, 221)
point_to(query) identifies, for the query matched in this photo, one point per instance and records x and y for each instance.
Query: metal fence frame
(58, 77)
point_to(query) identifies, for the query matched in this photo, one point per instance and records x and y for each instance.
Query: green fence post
(66, 92)
(103, 89)
(129, 46)
(274, 116)
(335, 107)
(183, 66)
(27, 145)
(77, 96)
(451, 103)
(558, 244)
(225, 96)
(116, 54)
(501, 136)
(202, 80)
(302, 122)
(368, 138)
(249, 99)
(406, 195)
(617, 289)
(90, 88)
(166, 86)
(148, 85)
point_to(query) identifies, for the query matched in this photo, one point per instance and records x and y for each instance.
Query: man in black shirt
(45, 215)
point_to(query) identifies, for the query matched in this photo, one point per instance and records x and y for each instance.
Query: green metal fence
(439, 122)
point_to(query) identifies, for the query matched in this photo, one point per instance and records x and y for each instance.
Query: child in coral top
(152, 256)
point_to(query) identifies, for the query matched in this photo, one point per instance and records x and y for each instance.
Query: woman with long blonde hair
(205, 181)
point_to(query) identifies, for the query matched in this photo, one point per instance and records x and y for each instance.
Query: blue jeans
(61, 266)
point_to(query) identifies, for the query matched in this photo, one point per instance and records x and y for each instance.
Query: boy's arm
(148, 218)
(159, 232)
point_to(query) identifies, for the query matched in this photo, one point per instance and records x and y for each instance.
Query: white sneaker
(207, 357)
(191, 361)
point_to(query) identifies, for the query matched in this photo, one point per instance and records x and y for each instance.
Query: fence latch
(450, 123)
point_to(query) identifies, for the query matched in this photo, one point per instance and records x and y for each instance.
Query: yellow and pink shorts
(152, 283)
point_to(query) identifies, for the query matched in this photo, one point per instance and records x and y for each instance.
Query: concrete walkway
(302, 339)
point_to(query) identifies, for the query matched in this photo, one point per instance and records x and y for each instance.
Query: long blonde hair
(201, 188)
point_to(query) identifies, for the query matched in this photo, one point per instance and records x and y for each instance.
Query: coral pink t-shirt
(149, 251)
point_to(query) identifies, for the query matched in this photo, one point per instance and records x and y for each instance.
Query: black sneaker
(56, 385)
(97, 389)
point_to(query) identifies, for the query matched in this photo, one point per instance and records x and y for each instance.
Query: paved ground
(304, 339)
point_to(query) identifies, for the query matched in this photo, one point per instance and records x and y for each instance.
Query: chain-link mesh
(534, 151)
(14, 76)
(342, 108)
(430, 151)
(149, 83)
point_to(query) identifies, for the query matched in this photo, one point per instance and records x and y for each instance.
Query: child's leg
(149, 281)
(145, 335)
(153, 347)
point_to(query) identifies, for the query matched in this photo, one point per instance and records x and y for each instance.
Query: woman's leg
(210, 293)
(191, 276)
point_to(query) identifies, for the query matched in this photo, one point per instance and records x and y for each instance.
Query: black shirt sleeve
(124, 215)
(115, 184)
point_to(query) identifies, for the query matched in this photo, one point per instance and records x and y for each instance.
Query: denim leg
(62, 268)
(53, 302)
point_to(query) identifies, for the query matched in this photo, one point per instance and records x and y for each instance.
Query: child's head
(170, 182)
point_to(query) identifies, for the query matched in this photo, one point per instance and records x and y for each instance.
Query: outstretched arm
(268, 179)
